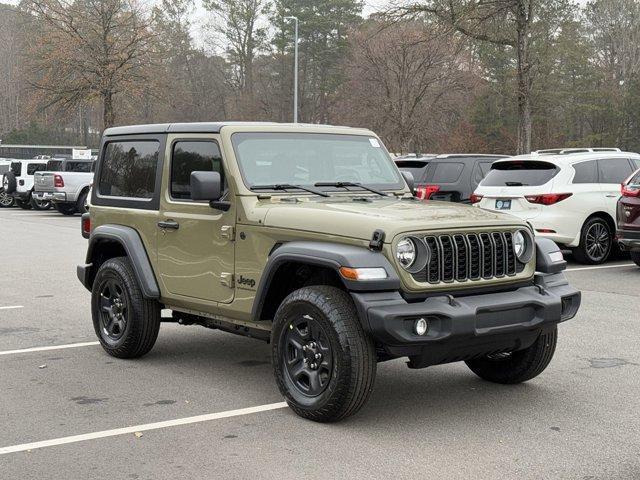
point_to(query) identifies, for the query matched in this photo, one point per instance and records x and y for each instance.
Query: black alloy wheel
(307, 354)
(114, 311)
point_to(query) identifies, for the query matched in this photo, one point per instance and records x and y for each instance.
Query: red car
(629, 217)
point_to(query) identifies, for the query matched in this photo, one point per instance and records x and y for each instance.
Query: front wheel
(125, 322)
(519, 366)
(24, 204)
(323, 361)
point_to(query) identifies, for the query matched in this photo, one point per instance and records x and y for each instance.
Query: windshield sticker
(374, 142)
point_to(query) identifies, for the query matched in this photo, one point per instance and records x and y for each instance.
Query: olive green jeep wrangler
(308, 237)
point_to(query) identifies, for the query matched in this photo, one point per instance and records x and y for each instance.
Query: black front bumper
(464, 327)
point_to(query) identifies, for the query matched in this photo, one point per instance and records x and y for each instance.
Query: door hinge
(228, 232)
(227, 279)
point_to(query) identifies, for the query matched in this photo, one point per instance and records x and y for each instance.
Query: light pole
(295, 72)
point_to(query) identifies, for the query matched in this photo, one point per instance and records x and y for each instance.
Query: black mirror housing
(206, 186)
(408, 177)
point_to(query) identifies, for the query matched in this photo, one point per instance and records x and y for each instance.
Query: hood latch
(377, 240)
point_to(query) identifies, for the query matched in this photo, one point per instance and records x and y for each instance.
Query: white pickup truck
(66, 183)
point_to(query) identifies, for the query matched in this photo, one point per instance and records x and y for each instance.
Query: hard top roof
(199, 127)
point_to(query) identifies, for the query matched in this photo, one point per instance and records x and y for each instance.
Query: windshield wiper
(287, 186)
(350, 184)
(515, 184)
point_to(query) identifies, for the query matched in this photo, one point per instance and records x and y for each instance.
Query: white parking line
(140, 428)
(600, 267)
(14, 307)
(47, 349)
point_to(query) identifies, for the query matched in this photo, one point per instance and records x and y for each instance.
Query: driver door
(195, 242)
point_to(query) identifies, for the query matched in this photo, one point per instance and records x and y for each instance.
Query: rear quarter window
(16, 168)
(520, 173)
(32, 168)
(129, 169)
(445, 172)
(415, 167)
(586, 172)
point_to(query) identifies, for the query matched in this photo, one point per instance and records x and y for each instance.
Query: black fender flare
(130, 240)
(330, 255)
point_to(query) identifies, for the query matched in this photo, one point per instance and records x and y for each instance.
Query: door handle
(613, 196)
(169, 225)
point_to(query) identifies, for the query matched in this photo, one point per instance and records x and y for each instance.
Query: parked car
(451, 177)
(307, 237)
(66, 183)
(19, 180)
(6, 201)
(629, 217)
(569, 196)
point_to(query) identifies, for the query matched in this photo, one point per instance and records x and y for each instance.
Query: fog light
(421, 326)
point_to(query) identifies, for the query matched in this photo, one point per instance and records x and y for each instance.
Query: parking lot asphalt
(578, 420)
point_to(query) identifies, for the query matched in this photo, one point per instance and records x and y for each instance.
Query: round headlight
(522, 246)
(406, 253)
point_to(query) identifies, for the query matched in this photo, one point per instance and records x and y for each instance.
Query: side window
(447, 172)
(636, 163)
(129, 169)
(82, 167)
(614, 170)
(480, 171)
(192, 156)
(586, 172)
(36, 167)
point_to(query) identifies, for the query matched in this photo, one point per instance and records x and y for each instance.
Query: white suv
(567, 195)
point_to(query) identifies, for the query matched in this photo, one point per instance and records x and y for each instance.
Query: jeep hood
(346, 217)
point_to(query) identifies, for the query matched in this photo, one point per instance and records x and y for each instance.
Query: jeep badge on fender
(338, 266)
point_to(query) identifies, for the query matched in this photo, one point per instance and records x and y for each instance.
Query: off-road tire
(68, 209)
(354, 361)
(519, 366)
(143, 316)
(635, 256)
(81, 203)
(9, 183)
(581, 253)
(24, 204)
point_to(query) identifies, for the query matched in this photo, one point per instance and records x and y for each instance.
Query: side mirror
(408, 177)
(207, 186)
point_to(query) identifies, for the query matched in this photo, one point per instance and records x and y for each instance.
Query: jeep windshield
(323, 160)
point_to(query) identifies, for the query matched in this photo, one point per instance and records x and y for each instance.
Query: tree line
(505, 76)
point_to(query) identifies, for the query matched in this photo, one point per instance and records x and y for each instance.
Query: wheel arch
(294, 265)
(606, 216)
(110, 241)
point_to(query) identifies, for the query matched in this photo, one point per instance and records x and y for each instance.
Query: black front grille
(469, 256)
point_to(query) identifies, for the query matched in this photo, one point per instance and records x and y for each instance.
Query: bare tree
(403, 81)
(510, 23)
(90, 49)
(238, 21)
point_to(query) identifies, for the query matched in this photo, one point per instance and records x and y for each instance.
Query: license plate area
(503, 204)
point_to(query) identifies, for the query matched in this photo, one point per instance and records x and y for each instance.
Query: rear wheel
(24, 204)
(65, 208)
(125, 322)
(635, 256)
(40, 204)
(324, 363)
(596, 241)
(517, 367)
(82, 205)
